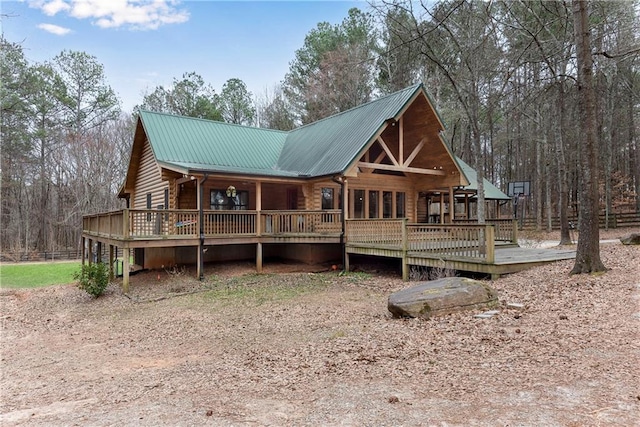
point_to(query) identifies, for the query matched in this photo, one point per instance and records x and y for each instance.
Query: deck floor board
(517, 255)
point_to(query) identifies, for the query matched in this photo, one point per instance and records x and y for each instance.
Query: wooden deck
(468, 247)
(490, 248)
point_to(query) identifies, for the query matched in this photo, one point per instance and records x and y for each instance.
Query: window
(387, 204)
(358, 203)
(221, 201)
(373, 203)
(327, 198)
(400, 205)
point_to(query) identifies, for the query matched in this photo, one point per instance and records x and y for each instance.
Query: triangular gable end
(135, 157)
(410, 143)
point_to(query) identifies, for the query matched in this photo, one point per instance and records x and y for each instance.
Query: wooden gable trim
(405, 169)
(139, 139)
(388, 151)
(401, 164)
(414, 153)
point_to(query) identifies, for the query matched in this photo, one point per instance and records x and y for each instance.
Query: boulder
(631, 239)
(442, 296)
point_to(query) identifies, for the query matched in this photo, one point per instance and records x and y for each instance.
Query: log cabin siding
(148, 180)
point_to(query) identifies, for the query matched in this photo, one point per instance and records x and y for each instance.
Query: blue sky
(146, 43)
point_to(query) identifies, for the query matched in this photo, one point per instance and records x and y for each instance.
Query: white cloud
(50, 7)
(133, 14)
(54, 29)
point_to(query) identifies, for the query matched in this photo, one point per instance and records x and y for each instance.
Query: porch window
(220, 201)
(327, 198)
(358, 203)
(373, 203)
(400, 205)
(387, 204)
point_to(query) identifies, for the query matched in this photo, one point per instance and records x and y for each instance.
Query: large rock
(631, 239)
(442, 296)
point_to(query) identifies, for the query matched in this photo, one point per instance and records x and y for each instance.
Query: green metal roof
(322, 148)
(192, 144)
(329, 145)
(325, 147)
(491, 192)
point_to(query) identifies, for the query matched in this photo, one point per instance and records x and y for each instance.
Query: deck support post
(405, 247)
(490, 244)
(99, 252)
(83, 250)
(259, 257)
(111, 259)
(514, 231)
(90, 251)
(346, 261)
(126, 253)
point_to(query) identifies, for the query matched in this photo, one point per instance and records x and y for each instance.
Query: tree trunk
(538, 181)
(563, 179)
(588, 253)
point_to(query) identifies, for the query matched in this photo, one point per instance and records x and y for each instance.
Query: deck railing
(376, 232)
(471, 241)
(456, 240)
(184, 223)
(300, 222)
(506, 229)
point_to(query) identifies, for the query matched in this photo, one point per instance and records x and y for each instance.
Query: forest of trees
(504, 76)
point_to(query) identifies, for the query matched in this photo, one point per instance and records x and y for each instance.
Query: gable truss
(399, 164)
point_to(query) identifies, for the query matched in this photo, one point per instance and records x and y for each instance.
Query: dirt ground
(302, 347)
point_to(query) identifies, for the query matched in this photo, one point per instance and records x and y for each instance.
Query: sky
(146, 43)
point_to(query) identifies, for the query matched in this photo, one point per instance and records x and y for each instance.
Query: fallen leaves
(309, 348)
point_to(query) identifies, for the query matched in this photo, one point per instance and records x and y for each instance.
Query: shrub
(93, 278)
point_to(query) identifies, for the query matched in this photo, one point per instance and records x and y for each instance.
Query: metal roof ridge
(212, 121)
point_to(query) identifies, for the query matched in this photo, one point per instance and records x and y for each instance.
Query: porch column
(200, 197)
(452, 205)
(441, 207)
(258, 207)
(345, 216)
(126, 253)
(466, 206)
(258, 226)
